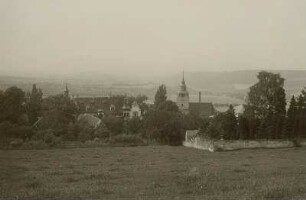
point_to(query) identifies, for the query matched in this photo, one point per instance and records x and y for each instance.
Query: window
(112, 107)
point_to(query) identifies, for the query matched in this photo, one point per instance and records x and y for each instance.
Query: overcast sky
(151, 36)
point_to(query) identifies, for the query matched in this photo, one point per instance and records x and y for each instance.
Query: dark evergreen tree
(301, 115)
(291, 120)
(229, 124)
(243, 128)
(34, 104)
(160, 96)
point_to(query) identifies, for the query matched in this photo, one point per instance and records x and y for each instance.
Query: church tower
(66, 92)
(182, 100)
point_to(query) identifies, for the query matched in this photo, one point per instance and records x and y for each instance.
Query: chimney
(199, 97)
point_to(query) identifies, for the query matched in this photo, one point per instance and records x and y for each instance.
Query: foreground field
(159, 172)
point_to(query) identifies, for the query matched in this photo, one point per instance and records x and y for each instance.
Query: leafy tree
(102, 132)
(114, 125)
(161, 95)
(10, 130)
(72, 131)
(266, 106)
(58, 112)
(34, 104)
(164, 126)
(12, 104)
(192, 122)
(168, 106)
(134, 125)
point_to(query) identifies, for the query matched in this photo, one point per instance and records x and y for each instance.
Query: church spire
(66, 92)
(183, 84)
(182, 100)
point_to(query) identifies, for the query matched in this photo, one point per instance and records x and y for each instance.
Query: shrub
(296, 143)
(123, 139)
(10, 130)
(23, 132)
(16, 142)
(96, 142)
(34, 144)
(51, 140)
(86, 133)
(48, 137)
(102, 132)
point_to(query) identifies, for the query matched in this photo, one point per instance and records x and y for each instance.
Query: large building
(106, 106)
(201, 109)
(117, 106)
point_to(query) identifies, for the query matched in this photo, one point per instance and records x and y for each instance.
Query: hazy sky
(151, 36)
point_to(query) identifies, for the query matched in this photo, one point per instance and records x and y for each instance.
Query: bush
(10, 130)
(16, 142)
(86, 133)
(296, 143)
(51, 140)
(34, 144)
(130, 140)
(102, 132)
(48, 137)
(96, 142)
(113, 124)
(23, 132)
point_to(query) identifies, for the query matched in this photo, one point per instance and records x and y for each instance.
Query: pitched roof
(93, 104)
(202, 109)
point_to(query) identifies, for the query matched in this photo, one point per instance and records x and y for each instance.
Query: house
(117, 106)
(131, 111)
(201, 109)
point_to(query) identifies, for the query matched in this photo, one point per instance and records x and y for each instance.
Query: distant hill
(218, 87)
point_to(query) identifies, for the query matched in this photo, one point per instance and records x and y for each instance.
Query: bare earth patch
(153, 172)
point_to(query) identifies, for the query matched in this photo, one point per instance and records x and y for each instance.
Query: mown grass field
(152, 172)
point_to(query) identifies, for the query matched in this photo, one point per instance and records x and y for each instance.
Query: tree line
(52, 120)
(265, 115)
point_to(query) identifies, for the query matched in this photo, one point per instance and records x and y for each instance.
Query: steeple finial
(183, 80)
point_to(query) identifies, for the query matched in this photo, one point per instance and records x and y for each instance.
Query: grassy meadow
(152, 172)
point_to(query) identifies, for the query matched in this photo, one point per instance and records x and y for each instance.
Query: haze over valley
(216, 87)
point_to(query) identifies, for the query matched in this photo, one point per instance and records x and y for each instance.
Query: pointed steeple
(182, 100)
(66, 92)
(183, 84)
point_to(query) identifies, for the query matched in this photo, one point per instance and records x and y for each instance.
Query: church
(201, 109)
